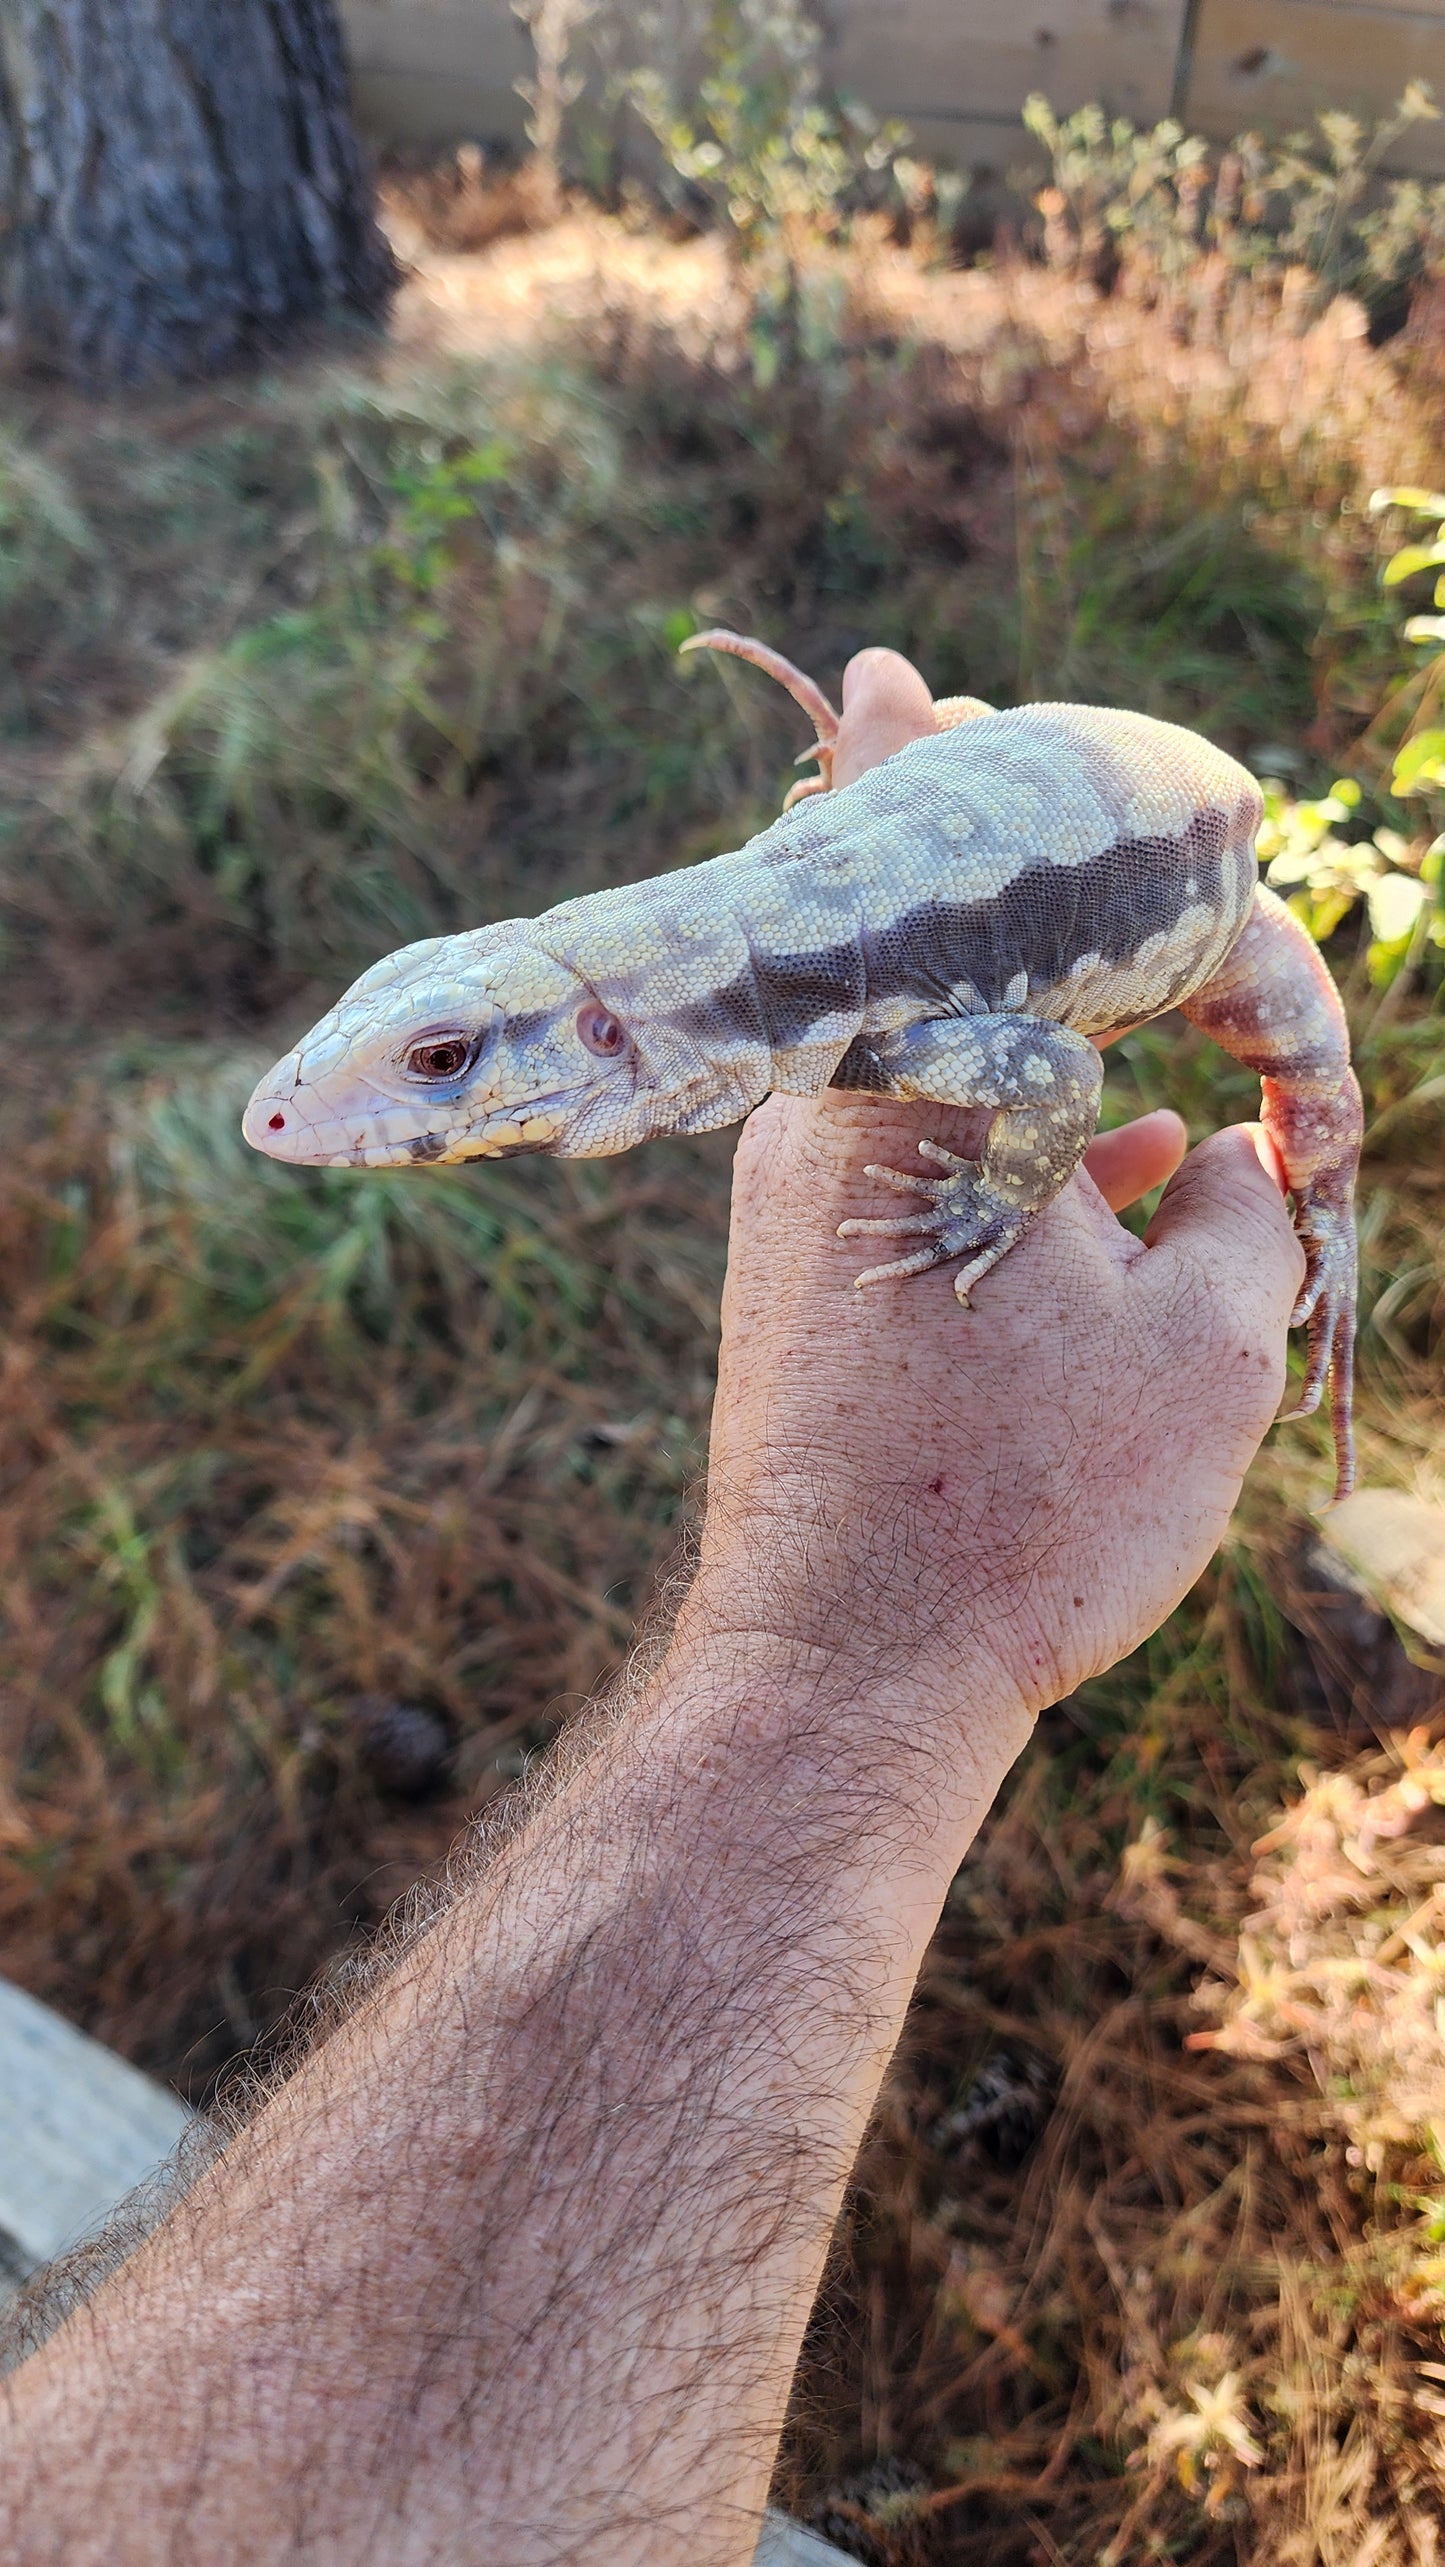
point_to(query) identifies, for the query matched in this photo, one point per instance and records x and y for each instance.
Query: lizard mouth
(288, 1121)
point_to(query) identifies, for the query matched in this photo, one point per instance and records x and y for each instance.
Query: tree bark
(181, 181)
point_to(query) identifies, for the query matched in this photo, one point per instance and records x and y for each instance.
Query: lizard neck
(733, 977)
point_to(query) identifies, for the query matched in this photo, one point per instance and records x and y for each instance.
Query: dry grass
(1121, 2288)
(300, 666)
(269, 1450)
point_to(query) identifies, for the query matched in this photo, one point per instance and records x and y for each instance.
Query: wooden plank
(428, 71)
(429, 75)
(433, 72)
(919, 58)
(1389, 9)
(78, 2129)
(787, 2544)
(1275, 63)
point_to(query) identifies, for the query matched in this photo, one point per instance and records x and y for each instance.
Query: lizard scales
(953, 927)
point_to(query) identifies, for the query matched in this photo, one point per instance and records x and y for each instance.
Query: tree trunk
(181, 182)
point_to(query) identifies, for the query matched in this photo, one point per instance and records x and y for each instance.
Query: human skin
(514, 2268)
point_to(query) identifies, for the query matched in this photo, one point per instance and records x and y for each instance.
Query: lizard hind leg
(1273, 1005)
(949, 710)
(803, 689)
(1042, 1079)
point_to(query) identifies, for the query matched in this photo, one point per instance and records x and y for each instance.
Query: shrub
(1165, 199)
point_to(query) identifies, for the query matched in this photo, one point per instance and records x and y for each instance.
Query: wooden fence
(958, 71)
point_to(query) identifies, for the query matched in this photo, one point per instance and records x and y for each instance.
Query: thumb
(1224, 1259)
(1223, 1214)
(885, 705)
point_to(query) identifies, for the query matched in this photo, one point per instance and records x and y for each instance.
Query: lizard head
(465, 1047)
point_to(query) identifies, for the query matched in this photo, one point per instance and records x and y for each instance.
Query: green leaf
(1395, 901)
(1322, 917)
(1422, 503)
(1420, 761)
(1412, 559)
(1296, 864)
(1386, 958)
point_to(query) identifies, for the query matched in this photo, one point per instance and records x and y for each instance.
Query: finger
(1126, 1163)
(1266, 1150)
(885, 705)
(1224, 1210)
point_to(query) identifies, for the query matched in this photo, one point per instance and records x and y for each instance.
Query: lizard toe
(965, 1218)
(918, 1264)
(1326, 1309)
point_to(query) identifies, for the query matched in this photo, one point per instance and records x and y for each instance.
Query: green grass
(371, 655)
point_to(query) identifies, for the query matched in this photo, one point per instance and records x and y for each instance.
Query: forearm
(543, 2221)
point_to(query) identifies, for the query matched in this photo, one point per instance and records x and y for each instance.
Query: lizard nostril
(277, 1123)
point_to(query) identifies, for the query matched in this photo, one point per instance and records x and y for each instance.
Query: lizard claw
(805, 785)
(966, 1218)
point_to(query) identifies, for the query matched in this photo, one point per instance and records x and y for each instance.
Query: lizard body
(956, 926)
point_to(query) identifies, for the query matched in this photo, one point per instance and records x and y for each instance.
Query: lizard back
(1066, 861)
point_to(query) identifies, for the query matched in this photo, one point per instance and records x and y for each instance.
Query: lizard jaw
(292, 1119)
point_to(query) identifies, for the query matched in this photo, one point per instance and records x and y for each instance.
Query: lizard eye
(601, 1032)
(442, 1056)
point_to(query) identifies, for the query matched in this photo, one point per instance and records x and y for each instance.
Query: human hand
(1019, 1492)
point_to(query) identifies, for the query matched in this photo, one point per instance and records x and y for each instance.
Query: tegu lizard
(964, 925)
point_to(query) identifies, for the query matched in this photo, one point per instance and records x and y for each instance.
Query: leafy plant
(1397, 873)
(1327, 222)
(554, 26)
(1325, 875)
(1167, 198)
(292, 790)
(1112, 180)
(438, 493)
(324, 713)
(778, 163)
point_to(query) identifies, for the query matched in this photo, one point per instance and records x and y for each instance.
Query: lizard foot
(1326, 1308)
(967, 1217)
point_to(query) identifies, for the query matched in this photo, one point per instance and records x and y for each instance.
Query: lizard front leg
(1043, 1080)
(1273, 1005)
